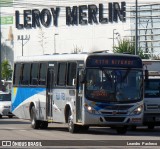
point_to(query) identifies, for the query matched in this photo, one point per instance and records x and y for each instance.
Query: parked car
(5, 104)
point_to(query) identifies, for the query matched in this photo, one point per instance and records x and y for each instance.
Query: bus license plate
(158, 119)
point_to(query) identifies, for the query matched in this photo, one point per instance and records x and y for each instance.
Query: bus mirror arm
(74, 82)
(82, 76)
(146, 74)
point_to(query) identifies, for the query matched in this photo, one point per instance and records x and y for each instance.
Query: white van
(152, 102)
(5, 104)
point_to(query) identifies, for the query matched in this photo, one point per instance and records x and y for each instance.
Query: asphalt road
(17, 130)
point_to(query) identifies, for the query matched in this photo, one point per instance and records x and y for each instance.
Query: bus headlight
(137, 111)
(90, 109)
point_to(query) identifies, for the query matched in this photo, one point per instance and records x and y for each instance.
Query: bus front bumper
(108, 120)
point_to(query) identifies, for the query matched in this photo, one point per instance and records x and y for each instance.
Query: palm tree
(127, 46)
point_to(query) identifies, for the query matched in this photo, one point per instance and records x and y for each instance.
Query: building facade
(63, 26)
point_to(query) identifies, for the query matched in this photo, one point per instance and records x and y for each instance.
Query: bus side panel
(23, 97)
(62, 97)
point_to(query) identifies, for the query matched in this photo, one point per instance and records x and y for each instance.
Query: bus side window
(61, 79)
(71, 76)
(34, 74)
(26, 74)
(42, 74)
(17, 73)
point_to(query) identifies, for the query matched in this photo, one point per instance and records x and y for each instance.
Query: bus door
(79, 100)
(49, 100)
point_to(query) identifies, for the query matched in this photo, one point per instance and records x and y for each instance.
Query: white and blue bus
(96, 89)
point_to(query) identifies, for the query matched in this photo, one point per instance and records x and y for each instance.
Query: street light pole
(0, 45)
(22, 39)
(113, 37)
(136, 28)
(55, 43)
(115, 33)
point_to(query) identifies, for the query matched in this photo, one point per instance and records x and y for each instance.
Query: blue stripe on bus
(101, 106)
(20, 94)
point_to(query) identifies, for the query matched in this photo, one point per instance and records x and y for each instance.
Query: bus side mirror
(82, 76)
(73, 82)
(146, 74)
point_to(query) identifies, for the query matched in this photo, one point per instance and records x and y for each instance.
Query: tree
(76, 50)
(42, 39)
(6, 70)
(127, 46)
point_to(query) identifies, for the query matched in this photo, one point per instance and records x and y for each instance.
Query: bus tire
(44, 125)
(151, 126)
(121, 130)
(35, 124)
(0, 116)
(133, 127)
(72, 128)
(112, 127)
(84, 128)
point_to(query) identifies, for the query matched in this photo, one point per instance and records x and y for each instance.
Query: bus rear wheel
(73, 128)
(35, 124)
(10, 116)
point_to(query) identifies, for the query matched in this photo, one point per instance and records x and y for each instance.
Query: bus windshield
(114, 85)
(152, 88)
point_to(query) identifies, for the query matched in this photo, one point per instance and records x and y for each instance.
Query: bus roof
(66, 57)
(54, 57)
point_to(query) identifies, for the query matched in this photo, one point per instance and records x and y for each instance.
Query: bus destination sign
(113, 61)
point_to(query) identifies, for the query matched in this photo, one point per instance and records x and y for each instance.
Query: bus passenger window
(71, 76)
(17, 74)
(26, 74)
(34, 74)
(61, 80)
(42, 74)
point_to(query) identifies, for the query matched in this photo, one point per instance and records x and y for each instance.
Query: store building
(64, 26)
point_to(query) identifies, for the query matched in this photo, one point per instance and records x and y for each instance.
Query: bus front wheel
(44, 125)
(151, 126)
(35, 124)
(71, 126)
(121, 130)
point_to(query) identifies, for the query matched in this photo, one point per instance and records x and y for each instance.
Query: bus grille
(153, 107)
(117, 107)
(114, 119)
(117, 113)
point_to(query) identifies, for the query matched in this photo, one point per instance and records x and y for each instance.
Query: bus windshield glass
(152, 88)
(114, 85)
